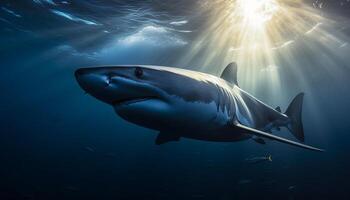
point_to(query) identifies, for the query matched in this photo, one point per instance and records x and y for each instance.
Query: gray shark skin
(184, 103)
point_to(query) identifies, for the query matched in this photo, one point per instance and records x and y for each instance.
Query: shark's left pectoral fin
(258, 133)
(164, 137)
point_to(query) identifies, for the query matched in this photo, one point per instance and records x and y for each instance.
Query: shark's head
(153, 97)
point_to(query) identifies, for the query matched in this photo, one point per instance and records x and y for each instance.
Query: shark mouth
(128, 101)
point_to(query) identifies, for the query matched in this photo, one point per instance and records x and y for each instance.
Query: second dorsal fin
(230, 73)
(278, 109)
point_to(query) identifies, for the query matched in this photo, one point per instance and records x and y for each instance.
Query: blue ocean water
(58, 143)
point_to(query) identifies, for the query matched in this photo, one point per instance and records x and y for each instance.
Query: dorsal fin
(230, 73)
(278, 109)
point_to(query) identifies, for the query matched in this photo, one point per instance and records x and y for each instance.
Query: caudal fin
(294, 111)
(269, 158)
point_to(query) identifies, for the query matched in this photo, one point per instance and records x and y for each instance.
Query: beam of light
(255, 13)
(73, 18)
(257, 34)
(313, 28)
(343, 45)
(271, 41)
(152, 36)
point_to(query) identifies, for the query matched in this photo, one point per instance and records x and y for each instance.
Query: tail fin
(294, 111)
(269, 158)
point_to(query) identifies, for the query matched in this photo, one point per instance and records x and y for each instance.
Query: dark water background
(57, 143)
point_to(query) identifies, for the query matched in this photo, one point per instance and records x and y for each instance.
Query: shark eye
(138, 72)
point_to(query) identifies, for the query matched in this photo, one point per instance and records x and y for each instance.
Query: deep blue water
(58, 143)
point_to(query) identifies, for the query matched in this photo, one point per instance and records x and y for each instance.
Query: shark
(259, 159)
(180, 103)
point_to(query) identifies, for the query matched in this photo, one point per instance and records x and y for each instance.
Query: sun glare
(256, 13)
(262, 37)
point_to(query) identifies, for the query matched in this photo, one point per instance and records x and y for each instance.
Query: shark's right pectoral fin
(164, 137)
(259, 133)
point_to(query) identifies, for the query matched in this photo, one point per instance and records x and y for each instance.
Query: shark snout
(90, 79)
(113, 85)
(95, 82)
(80, 72)
(86, 71)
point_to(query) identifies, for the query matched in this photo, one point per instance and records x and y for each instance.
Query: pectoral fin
(164, 137)
(259, 133)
